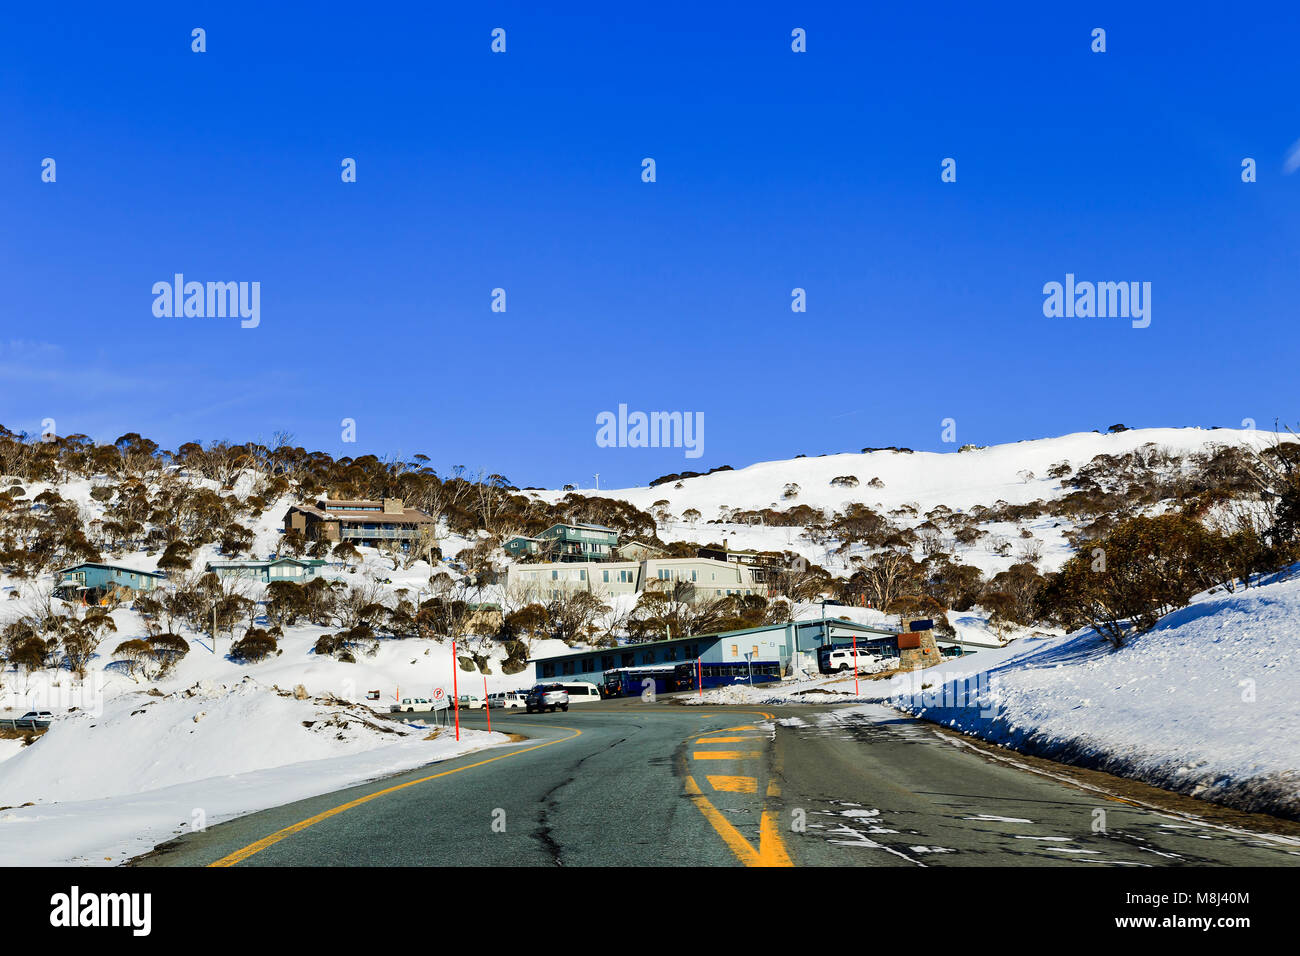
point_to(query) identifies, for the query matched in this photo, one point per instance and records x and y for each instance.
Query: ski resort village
(201, 647)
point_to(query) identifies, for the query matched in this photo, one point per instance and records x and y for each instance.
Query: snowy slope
(956, 479)
(104, 787)
(959, 480)
(1207, 703)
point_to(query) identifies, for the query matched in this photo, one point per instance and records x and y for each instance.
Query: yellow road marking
(771, 850)
(726, 754)
(733, 784)
(727, 740)
(268, 841)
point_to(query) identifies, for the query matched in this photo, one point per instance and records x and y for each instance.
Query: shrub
(1137, 573)
(256, 645)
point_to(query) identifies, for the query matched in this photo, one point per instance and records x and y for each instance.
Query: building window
(548, 670)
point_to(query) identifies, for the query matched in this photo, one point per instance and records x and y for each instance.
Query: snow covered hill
(1013, 473)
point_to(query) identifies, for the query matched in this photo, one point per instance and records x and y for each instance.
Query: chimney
(393, 506)
(724, 544)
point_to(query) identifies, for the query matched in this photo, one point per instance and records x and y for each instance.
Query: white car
(410, 705)
(841, 659)
(504, 700)
(470, 702)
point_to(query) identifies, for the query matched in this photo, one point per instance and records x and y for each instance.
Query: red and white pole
(455, 691)
(699, 675)
(487, 704)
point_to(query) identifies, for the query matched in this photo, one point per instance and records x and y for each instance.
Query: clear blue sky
(775, 170)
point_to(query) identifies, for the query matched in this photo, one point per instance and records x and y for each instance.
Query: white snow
(1206, 704)
(959, 480)
(110, 786)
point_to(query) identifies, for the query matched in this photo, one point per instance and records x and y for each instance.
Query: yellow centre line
(724, 784)
(268, 841)
(771, 850)
(726, 754)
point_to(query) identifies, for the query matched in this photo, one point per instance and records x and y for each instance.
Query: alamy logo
(1103, 300)
(653, 430)
(212, 300)
(72, 909)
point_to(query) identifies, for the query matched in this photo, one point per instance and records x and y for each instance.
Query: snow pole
(699, 676)
(455, 691)
(487, 704)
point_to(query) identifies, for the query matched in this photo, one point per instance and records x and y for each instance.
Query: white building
(705, 577)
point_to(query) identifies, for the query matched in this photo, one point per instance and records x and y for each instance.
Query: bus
(721, 675)
(669, 678)
(631, 681)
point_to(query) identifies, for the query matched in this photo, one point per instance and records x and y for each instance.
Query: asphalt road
(623, 783)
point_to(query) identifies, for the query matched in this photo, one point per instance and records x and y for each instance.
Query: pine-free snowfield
(636, 784)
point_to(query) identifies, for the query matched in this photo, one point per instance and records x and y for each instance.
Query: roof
(264, 564)
(580, 524)
(408, 515)
(721, 635)
(112, 567)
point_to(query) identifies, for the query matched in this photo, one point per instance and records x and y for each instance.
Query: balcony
(354, 533)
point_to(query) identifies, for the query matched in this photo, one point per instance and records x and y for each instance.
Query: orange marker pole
(699, 675)
(455, 692)
(487, 704)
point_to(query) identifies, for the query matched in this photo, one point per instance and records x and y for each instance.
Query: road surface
(623, 783)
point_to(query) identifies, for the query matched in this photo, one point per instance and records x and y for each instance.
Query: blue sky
(775, 170)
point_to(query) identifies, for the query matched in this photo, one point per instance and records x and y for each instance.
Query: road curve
(623, 783)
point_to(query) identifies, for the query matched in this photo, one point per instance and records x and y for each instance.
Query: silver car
(545, 697)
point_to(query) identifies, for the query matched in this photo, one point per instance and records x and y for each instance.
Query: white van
(582, 692)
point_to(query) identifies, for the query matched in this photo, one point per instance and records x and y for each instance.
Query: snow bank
(110, 786)
(1207, 703)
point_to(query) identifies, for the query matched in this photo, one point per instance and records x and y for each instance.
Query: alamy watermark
(651, 430)
(211, 300)
(1103, 300)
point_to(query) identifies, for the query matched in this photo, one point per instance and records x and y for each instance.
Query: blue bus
(722, 675)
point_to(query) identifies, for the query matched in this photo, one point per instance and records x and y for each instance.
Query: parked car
(504, 700)
(545, 697)
(841, 659)
(470, 702)
(37, 715)
(411, 705)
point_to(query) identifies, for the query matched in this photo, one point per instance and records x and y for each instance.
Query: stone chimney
(393, 506)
